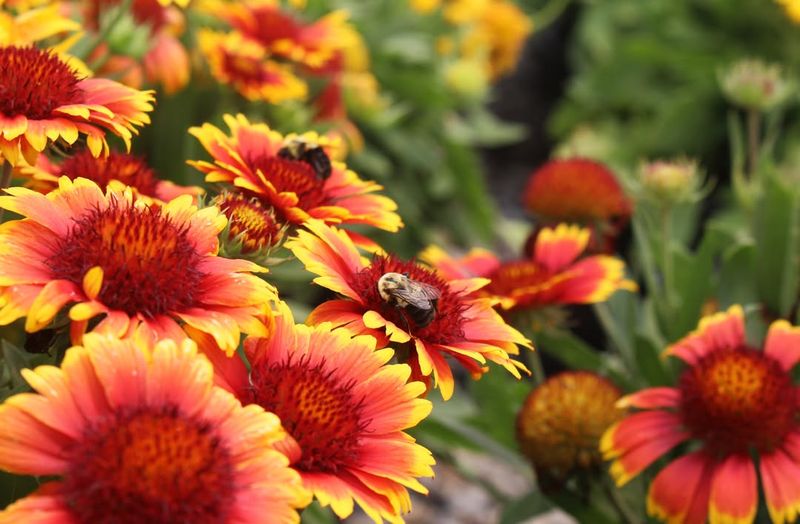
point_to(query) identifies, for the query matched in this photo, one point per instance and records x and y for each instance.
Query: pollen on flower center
(446, 326)
(295, 176)
(149, 265)
(153, 467)
(128, 169)
(34, 82)
(320, 413)
(737, 398)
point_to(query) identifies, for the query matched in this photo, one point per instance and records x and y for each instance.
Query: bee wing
(418, 294)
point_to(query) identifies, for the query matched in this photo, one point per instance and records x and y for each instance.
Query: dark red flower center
(316, 409)
(296, 176)
(149, 466)
(128, 169)
(149, 265)
(446, 326)
(250, 221)
(34, 82)
(247, 70)
(737, 399)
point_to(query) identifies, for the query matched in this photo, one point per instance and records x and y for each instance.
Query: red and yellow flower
(137, 432)
(248, 159)
(280, 33)
(109, 254)
(240, 62)
(576, 190)
(560, 424)
(116, 171)
(345, 410)
(44, 100)
(555, 274)
(465, 327)
(734, 402)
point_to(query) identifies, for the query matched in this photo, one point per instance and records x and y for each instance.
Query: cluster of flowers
(153, 413)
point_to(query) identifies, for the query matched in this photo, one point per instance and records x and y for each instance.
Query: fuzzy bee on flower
(417, 299)
(307, 151)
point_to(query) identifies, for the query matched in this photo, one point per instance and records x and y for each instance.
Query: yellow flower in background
(498, 35)
(459, 12)
(424, 6)
(34, 25)
(792, 9)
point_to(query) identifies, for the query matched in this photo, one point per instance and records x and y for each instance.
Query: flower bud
(754, 84)
(669, 181)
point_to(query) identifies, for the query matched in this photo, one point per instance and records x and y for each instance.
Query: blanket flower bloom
(135, 263)
(240, 63)
(555, 274)
(562, 420)
(116, 171)
(137, 432)
(737, 403)
(280, 33)
(576, 189)
(44, 100)
(250, 159)
(464, 327)
(345, 410)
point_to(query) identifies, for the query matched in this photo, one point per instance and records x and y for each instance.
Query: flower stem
(5, 181)
(753, 145)
(626, 514)
(667, 268)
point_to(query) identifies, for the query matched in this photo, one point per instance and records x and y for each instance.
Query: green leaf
(499, 397)
(14, 487)
(777, 232)
(522, 509)
(650, 364)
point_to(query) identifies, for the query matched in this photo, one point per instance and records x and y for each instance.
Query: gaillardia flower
(464, 326)
(252, 160)
(560, 424)
(498, 35)
(555, 274)
(116, 171)
(34, 25)
(139, 433)
(345, 410)
(135, 263)
(43, 100)
(241, 63)
(280, 33)
(576, 190)
(734, 403)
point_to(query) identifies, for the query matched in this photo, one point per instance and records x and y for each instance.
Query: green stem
(626, 514)
(667, 267)
(5, 181)
(753, 142)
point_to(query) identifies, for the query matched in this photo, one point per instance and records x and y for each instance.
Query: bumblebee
(306, 151)
(417, 299)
